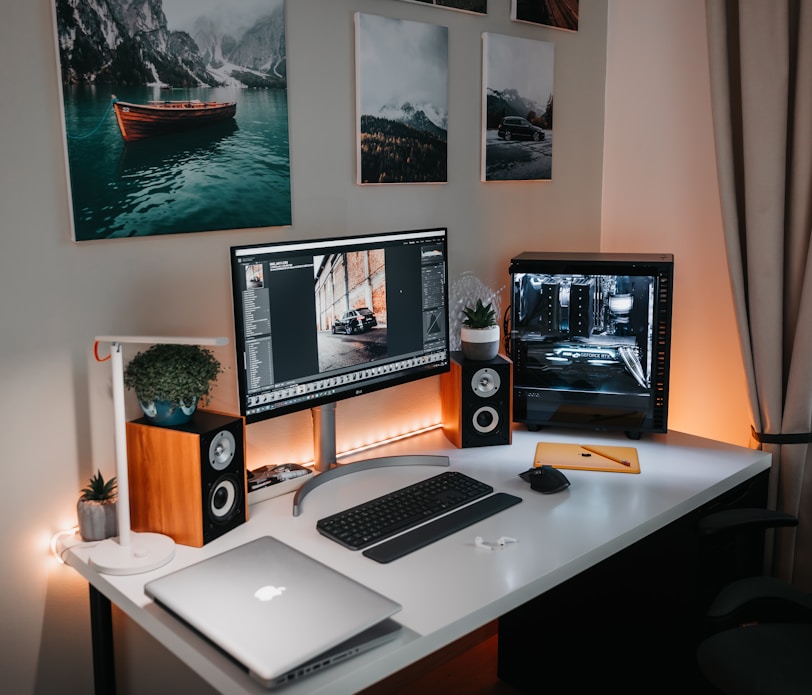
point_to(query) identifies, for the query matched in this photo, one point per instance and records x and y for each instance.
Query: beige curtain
(761, 90)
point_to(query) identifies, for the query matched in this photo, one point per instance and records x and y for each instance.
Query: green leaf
(174, 373)
(481, 316)
(98, 489)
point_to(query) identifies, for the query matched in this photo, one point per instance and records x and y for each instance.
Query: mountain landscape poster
(474, 6)
(401, 100)
(175, 115)
(517, 108)
(559, 14)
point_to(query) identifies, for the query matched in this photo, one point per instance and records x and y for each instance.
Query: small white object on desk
(500, 542)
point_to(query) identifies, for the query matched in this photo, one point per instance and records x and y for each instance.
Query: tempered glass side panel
(590, 340)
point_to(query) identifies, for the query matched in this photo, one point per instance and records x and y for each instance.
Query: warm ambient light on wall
(131, 553)
(61, 540)
(388, 440)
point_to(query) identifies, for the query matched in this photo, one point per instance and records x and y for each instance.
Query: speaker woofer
(485, 382)
(485, 419)
(221, 450)
(223, 499)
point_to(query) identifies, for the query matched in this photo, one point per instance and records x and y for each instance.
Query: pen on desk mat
(608, 456)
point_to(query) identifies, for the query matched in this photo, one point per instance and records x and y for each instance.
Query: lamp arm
(122, 473)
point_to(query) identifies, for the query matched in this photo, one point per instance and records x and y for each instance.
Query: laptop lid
(269, 606)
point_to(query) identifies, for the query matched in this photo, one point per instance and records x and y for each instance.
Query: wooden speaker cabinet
(477, 401)
(188, 481)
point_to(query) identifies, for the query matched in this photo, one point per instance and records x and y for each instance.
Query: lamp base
(146, 551)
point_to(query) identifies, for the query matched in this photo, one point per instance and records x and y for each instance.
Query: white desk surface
(452, 587)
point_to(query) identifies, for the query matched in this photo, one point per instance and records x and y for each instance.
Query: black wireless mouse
(547, 479)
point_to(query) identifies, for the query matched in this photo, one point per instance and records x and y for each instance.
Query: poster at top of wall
(473, 6)
(517, 108)
(175, 116)
(558, 14)
(401, 100)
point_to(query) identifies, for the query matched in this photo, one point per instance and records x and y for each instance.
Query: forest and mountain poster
(517, 108)
(175, 115)
(401, 100)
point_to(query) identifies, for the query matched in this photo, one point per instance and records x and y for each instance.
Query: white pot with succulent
(96, 509)
(480, 332)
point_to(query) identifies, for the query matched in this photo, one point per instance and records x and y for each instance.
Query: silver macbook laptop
(278, 612)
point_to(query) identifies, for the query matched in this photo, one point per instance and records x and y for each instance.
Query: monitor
(590, 340)
(318, 321)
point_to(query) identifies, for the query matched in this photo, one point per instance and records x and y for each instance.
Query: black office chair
(759, 629)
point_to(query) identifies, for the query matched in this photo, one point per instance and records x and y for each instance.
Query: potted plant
(169, 380)
(480, 332)
(96, 509)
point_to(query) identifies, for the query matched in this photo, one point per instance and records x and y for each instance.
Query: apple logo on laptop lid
(269, 592)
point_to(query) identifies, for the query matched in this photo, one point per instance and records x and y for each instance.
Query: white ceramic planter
(480, 343)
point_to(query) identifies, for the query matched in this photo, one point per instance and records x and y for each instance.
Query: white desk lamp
(132, 553)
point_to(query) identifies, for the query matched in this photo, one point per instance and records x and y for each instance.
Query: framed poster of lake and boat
(175, 119)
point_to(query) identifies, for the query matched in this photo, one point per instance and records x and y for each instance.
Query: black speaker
(188, 481)
(477, 401)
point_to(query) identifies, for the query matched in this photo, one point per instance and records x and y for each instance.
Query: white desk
(451, 588)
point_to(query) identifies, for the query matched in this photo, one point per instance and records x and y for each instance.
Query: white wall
(55, 295)
(660, 194)
(650, 187)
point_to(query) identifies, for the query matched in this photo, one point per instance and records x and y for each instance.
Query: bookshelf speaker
(477, 401)
(188, 481)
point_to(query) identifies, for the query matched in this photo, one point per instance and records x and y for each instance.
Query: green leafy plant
(180, 374)
(100, 490)
(481, 316)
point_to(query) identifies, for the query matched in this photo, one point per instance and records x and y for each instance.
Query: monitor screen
(318, 321)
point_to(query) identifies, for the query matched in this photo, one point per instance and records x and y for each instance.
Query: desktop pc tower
(188, 481)
(477, 401)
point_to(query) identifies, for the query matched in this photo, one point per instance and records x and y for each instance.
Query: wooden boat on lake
(139, 121)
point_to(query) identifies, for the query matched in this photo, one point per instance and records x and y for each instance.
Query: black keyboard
(385, 516)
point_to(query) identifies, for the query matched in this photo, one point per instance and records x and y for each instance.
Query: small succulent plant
(99, 490)
(481, 316)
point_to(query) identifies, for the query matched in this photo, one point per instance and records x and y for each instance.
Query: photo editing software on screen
(317, 321)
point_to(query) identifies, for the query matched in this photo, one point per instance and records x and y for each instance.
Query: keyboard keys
(385, 516)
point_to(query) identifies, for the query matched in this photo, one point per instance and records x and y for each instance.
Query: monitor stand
(324, 450)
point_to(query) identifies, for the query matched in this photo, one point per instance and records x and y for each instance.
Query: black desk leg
(101, 635)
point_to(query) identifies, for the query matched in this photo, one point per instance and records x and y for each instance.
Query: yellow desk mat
(587, 457)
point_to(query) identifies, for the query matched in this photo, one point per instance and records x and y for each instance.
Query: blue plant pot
(164, 414)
